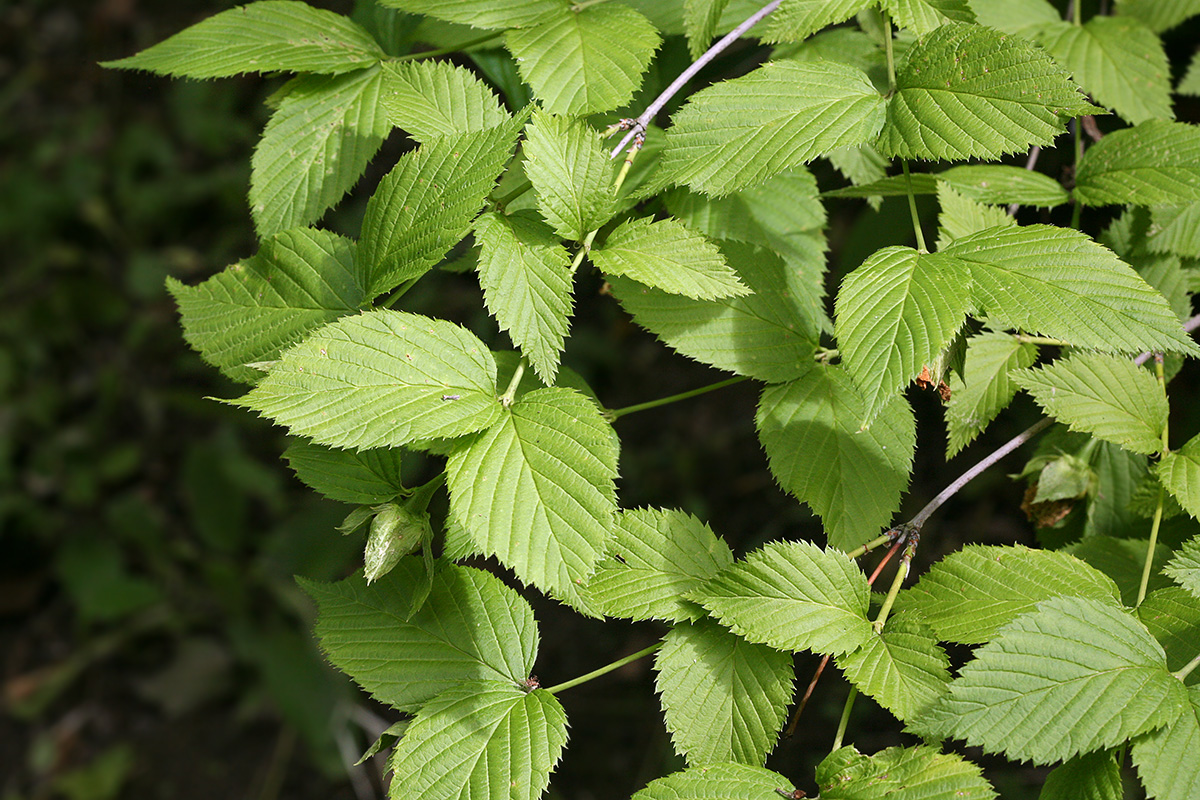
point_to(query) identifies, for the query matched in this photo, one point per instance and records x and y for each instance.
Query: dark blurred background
(153, 643)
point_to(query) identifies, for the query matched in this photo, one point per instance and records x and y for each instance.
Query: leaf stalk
(1152, 544)
(596, 673)
(675, 398)
(1187, 668)
(510, 393)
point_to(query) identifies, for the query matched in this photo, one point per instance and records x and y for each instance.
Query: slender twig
(912, 207)
(1158, 508)
(1012, 444)
(890, 536)
(891, 58)
(639, 125)
(910, 538)
(841, 730)
(662, 401)
(596, 673)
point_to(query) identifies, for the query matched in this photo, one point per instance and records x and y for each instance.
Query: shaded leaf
(796, 20)
(1154, 163)
(666, 255)
(900, 772)
(1160, 15)
(1094, 776)
(486, 13)
(903, 669)
(1179, 471)
(984, 389)
(1166, 758)
(1185, 566)
(1172, 615)
(366, 477)
(923, 16)
(718, 782)
(960, 216)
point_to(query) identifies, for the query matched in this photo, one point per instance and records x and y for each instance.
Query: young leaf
(536, 490)
(700, 19)
(984, 389)
(1185, 566)
(425, 205)
(366, 477)
(1160, 15)
(1095, 776)
(480, 741)
(665, 255)
(811, 430)
(741, 132)
(657, 558)
(526, 278)
(267, 36)
(1118, 61)
(585, 62)
(961, 216)
(719, 782)
(486, 13)
(428, 99)
(895, 314)
(316, 145)
(725, 699)
(1107, 396)
(966, 91)
(570, 173)
(1172, 615)
(298, 281)
(969, 595)
(405, 660)
(902, 669)
(924, 16)
(1059, 283)
(381, 379)
(1156, 163)
(900, 772)
(796, 20)
(792, 596)
(766, 335)
(1074, 676)
(1166, 758)
(1179, 471)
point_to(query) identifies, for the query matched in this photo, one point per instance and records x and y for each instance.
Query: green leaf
(485, 13)
(900, 772)
(657, 557)
(923, 16)
(1160, 15)
(1185, 566)
(406, 659)
(366, 477)
(766, 335)
(1166, 758)
(480, 741)
(895, 314)
(1175, 230)
(960, 216)
(852, 478)
(969, 595)
(429, 99)
(701, 18)
(1118, 61)
(724, 699)
(718, 782)
(298, 281)
(666, 255)
(741, 132)
(1095, 776)
(570, 173)
(1074, 676)
(796, 20)
(395, 532)
(793, 596)
(984, 389)
(1021, 17)
(902, 669)
(1059, 283)
(1002, 184)
(267, 36)
(1122, 560)
(1189, 84)
(1107, 396)
(536, 490)
(425, 205)
(1179, 471)
(316, 145)
(527, 281)
(1172, 615)
(966, 91)
(585, 62)
(1156, 163)
(381, 379)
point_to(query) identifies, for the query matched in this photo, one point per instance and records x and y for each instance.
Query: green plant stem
(891, 58)
(399, 292)
(596, 673)
(1187, 668)
(421, 495)
(845, 720)
(445, 51)
(893, 590)
(1158, 508)
(510, 393)
(862, 550)
(1077, 12)
(912, 207)
(675, 398)
(620, 180)
(512, 194)
(1077, 209)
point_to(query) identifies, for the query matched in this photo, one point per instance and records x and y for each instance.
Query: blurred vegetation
(152, 640)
